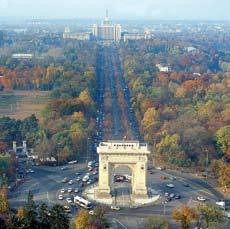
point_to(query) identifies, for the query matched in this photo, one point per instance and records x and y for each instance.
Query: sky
(118, 9)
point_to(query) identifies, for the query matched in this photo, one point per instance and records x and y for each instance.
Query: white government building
(106, 31)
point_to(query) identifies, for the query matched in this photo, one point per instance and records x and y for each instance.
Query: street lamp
(58, 152)
(87, 150)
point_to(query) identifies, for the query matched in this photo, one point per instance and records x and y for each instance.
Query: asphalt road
(45, 183)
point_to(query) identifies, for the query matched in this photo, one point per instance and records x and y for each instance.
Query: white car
(201, 198)
(89, 182)
(60, 197)
(78, 178)
(85, 178)
(172, 195)
(160, 168)
(170, 185)
(69, 200)
(62, 190)
(76, 190)
(115, 208)
(220, 203)
(70, 182)
(70, 190)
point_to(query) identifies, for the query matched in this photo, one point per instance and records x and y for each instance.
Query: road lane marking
(117, 221)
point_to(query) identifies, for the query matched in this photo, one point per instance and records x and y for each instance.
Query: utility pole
(58, 152)
(154, 152)
(207, 161)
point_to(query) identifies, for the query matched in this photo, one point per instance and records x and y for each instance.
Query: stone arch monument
(128, 153)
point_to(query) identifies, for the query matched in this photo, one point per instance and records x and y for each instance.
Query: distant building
(76, 36)
(163, 68)
(137, 36)
(22, 56)
(106, 31)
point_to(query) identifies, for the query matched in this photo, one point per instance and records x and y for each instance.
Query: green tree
(58, 218)
(156, 222)
(223, 139)
(210, 214)
(43, 217)
(31, 214)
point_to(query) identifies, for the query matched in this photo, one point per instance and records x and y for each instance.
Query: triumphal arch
(132, 154)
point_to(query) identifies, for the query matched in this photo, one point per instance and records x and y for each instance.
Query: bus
(82, 202)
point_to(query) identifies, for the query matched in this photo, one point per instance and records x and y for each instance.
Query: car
(95, 172)
(186, 184)
(115, 208)
(63, 168)
(172, 195)
(170, 185)
(60, 197)
(177, 196)
(76, 190)
(172, 178)
(65, 180)
(201, 198)
(70, 190)
(89, 182)
(160, 168)
(69, 200)
(221, 203)
(85, 178)
(78, 178)
(77, 173)
(166, 194)
(163, 177)
(167, 199)
(62, 190)
(90, 169)
(67, 209)
(70, 182)
(227, 214)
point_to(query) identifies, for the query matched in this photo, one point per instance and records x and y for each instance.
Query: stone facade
(129, 153)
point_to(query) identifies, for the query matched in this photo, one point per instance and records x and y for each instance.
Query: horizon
(207, 10)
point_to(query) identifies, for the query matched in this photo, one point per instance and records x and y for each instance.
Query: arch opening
(121, 183)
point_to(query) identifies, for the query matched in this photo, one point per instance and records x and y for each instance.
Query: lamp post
(58, 152)
(87, 150)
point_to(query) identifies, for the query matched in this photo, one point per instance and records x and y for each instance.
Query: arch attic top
(123, 147)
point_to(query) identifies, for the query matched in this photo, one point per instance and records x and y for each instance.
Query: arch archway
(113, 154)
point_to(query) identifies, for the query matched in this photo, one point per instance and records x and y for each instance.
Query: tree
(58, 217)
(21, 212)
(223, 139)
(30, 208)
(43, 217)
(184, 215)
(82, 221)
(98, 219)
(4, 205)
(210, 214)
(156, 222)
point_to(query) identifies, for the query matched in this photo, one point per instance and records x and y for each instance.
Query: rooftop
(116, 146)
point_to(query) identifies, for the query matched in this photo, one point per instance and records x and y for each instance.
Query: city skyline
(126, 9)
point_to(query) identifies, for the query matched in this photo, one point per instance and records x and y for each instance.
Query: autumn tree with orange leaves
(184, 215)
